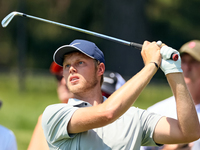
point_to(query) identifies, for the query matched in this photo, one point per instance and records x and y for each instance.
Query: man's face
(79, 72)
(190, 67)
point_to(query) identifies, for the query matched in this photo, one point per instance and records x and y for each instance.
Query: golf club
(10, 16)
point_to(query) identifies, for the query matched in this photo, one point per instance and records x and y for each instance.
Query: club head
(9, 17)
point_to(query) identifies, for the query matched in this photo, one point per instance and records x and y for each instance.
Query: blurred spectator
(112, 81)
(7, 138)
(190, 55)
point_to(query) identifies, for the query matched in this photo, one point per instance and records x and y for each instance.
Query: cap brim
(61, 51)
(58, 56)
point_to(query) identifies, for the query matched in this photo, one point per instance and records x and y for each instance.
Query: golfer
(91, 122)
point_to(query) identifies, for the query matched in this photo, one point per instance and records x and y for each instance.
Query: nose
(72, 69)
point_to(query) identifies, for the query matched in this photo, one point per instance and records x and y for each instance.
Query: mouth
(74, 79)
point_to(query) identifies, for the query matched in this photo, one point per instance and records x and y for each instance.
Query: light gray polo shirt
(133, 129)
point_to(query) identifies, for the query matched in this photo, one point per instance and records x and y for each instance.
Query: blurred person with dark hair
(112, 81)
(190, 56)
(7, 138)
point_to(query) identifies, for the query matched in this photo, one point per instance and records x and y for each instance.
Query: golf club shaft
(10, 16)
(136, 45)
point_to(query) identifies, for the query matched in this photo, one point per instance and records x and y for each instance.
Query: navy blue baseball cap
(86, 47)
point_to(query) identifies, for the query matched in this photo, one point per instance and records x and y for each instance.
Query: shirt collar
(80, 103)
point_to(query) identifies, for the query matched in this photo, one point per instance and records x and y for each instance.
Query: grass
(20, 110)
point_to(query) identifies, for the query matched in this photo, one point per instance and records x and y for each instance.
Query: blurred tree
(125, 20)
(22, 47)
(45, 38)
(174, 22)
(8, 47)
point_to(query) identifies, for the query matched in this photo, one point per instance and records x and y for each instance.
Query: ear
(101, 69)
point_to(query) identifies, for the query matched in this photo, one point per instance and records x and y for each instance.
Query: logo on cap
(192, 44)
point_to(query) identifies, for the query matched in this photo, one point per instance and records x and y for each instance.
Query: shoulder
(40, 119)
(5, 131)
(56, 113)
(52, 109)
(57, 110)
(55, 119)
(7, 137)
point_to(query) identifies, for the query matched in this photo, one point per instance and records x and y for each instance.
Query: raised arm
(186, 128)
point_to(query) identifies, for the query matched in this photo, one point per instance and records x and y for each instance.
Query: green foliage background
(173, 22)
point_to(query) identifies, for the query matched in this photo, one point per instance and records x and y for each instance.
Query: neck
(94, 97)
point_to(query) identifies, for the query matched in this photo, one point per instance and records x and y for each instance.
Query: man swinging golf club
(92, 122)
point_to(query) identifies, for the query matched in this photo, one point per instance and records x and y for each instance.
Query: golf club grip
(174, 56)
(136, 45)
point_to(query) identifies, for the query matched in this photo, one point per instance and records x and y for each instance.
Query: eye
(67, 66)
(80, 62)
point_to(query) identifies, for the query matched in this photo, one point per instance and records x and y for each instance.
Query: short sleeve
(55, 119)
(149, 123)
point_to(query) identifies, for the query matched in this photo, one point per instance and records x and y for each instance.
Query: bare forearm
(187, 116)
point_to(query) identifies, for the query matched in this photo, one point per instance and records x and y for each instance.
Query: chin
(75, 89)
